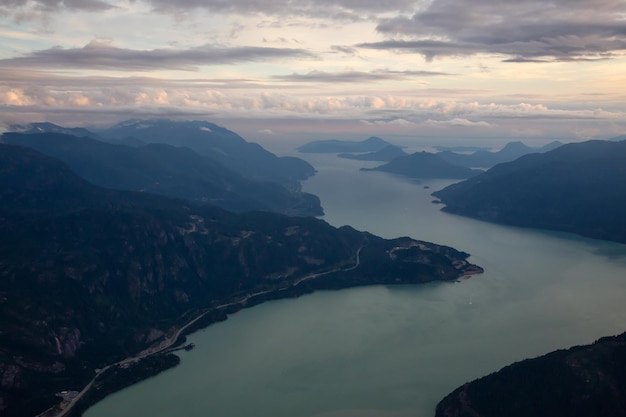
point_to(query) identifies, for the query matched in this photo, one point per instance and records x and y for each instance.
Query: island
(371, 144)
(423, 165)
(387, 153)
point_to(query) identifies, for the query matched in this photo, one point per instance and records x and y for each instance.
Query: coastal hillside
(167, 170)
(577, 188)
(584, 381)
(424, 165)
(91, 276)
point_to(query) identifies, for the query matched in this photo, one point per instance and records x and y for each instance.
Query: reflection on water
(393, 351)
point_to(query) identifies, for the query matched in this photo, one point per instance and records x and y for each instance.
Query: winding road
(169, 342)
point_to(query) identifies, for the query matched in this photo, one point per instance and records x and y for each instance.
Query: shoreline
(152, 361)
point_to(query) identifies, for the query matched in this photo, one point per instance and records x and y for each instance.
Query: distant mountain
(618, 138)
(167, 170)
(91, 276)
(461, 148)
(487, 159)
(372, 144)
(46, 127)
(584, 381)
(218, 143)
(385, 154)
(578, 188)
(424, 165)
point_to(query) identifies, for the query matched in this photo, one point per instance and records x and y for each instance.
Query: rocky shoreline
(135, 369)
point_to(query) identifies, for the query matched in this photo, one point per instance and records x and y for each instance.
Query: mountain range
(217, 143)
(576, 188)
(212, 177)
(90, 276)
(487, 159)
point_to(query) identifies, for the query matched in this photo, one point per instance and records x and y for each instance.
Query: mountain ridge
(167, 170)
(576, 188)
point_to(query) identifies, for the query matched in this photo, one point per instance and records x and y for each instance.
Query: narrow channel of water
(393, 351)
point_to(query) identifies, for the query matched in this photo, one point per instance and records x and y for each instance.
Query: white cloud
(457, 122)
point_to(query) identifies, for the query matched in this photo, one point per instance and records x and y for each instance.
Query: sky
(440, 69)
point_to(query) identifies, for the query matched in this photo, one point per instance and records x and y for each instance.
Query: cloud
(99, 54)
(24, 90)
(391, 122)
(522, 31)
(57, 5)
(356, 76)
(344, 10)
(338, 10)
(458, 122)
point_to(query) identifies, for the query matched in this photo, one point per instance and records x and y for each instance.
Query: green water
(393, 351)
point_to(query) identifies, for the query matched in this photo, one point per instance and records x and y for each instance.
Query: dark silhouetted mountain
(90, 275)
(578, 188)
(618, 138)
(424, 165)
(371, 144)
(487, 159)
(218, 143)
(584, 381)
(167, 170)
(387, 153)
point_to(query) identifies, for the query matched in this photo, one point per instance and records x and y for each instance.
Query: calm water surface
(393, 351)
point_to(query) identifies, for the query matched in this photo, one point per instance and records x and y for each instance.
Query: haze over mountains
(452, 163)
(219, 144)
(487, 159)
(196, 167)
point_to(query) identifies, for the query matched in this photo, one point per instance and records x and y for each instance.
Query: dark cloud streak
(345, 10)
(356, 76)
(101, 55)
(10, 6)
(524, 30)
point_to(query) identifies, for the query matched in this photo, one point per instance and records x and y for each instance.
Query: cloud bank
(519, 30)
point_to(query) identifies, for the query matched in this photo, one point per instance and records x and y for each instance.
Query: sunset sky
(339, 68)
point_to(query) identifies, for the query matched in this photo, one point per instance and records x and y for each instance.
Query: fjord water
(393, 351)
